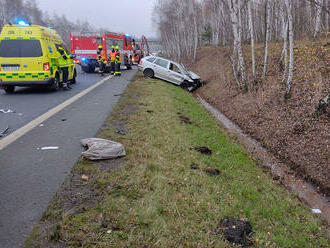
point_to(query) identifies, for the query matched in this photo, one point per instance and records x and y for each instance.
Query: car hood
(193, 75)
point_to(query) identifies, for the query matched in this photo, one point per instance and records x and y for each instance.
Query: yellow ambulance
(29, 57)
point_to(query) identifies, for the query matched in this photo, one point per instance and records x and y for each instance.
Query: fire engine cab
(84, 46)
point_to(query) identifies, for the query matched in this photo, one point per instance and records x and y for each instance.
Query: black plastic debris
(4, 132)
(212, 172)
(236, 231)
(204, 150)
(121, 132)
(194, 167)
(185, 119)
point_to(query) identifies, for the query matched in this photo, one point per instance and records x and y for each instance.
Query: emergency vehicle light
(83, 59)
(22, 23)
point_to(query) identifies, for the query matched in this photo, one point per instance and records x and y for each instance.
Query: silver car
(170, 71)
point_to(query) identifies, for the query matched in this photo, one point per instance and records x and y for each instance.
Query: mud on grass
(156, 199)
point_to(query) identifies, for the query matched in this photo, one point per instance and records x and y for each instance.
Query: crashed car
(158, 67)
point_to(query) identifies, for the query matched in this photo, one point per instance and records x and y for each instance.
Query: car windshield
(20, 48)
(184, 70)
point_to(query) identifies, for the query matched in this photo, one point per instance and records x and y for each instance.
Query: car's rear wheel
(149, 73)
(9, 89)
(56, 83)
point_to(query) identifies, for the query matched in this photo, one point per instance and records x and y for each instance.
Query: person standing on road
(100, 60)
(118, 62)
(113, 60)
(64, 66)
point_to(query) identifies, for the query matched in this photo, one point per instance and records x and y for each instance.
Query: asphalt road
(29, 176)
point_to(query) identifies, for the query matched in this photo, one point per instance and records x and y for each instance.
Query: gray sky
(129, 16)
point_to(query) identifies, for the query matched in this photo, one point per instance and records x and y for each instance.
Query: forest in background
(186, 25)
(29, 10)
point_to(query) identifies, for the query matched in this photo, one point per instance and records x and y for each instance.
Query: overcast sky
(125, 16)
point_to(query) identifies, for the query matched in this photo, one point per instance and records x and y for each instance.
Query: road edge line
(34, 123)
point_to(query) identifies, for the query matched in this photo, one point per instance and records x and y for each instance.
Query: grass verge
(155, 198)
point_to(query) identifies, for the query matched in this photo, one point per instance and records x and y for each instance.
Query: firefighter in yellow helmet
(113, 59)
(100, 60)
(118, 62)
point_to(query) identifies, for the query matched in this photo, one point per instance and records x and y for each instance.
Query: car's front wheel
(149, 73)
(9, 89)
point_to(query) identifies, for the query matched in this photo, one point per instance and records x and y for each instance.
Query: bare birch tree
(254, 75)
(288, 4)
(268, 13)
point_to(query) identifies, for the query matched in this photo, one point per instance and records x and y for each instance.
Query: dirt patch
(204, 150)
(287, 128)
(236, 231)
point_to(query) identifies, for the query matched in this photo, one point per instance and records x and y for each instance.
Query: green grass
(157, 200)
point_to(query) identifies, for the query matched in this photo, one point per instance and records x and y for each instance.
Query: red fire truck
(84, 46)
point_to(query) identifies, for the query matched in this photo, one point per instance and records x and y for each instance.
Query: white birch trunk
(252, 43)
(234, 10)
(288, 4)
(317, 17)
(285, 42)
(268, 9)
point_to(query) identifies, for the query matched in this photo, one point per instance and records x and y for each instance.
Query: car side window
(151, 60)
(175, 68)
(162, 63)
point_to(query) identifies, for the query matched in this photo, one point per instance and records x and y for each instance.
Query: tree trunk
(252, 43)
(317, 18)
(288, 4)
(322, 107)
(268, 9)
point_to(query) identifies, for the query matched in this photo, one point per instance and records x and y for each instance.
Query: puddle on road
(306, 191)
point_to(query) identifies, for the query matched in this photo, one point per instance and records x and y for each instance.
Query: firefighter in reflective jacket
(118, 62)
(113, 59)
(101, 60)
(64, 64)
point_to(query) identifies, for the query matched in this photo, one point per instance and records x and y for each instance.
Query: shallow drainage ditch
(306, 191)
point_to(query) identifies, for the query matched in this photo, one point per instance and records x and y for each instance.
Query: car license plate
(10, 68)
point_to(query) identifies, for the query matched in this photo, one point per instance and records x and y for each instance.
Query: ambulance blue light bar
(22, 23)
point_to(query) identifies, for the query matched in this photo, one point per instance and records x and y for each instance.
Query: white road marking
(28, 127)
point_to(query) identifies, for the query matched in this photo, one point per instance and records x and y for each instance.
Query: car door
(161, 69)
(175, 74)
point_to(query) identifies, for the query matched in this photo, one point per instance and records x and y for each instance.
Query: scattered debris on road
(6, 111)
(49, 148)
(121, 132)
(316, 211)
(204, 150)
(236, 231)
(100, 149)
(3, 132)
(212, 172)
(84, 177)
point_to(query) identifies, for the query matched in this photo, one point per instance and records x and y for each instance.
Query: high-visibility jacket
(64, 59)
(113, 56)
(118, 57)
